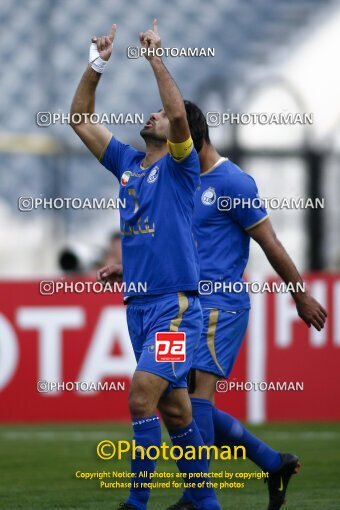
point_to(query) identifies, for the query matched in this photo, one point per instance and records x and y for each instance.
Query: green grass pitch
(38, 465)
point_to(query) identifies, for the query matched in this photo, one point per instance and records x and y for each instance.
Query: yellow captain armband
(180, 150)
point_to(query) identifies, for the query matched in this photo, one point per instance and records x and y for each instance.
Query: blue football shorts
(221, 340)
(176, 312)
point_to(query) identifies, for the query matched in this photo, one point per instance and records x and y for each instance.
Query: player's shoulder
(132, 152)
(225, 168)
(133, 156)
(233, 171)
(237, 179)
(117, 147)
(137, 154)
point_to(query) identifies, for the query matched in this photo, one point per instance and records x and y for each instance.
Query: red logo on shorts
(170, 346)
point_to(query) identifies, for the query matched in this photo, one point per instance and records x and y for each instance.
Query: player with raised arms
(158, 185)
(223, 238)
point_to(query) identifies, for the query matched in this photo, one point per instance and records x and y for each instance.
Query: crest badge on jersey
(125, 177)
(153, 175)
(208, 196)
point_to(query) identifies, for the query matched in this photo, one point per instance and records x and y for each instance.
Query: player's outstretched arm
(310, 311)
(94, 136)
(170, 95)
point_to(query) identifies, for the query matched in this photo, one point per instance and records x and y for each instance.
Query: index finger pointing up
(113, 32)
(155, 26)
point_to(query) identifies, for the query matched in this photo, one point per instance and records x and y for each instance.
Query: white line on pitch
(52, 435)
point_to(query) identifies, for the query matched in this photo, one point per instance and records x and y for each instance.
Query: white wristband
(97, 63)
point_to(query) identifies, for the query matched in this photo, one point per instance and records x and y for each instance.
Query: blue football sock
(229, 431)
(146, 432)
(202, 414)
(203, 498)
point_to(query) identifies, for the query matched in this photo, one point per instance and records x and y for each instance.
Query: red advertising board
(64, 337)
(298, 353)
(82, 337)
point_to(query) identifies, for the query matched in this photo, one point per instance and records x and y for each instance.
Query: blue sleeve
(247, 207)
(186, 171)
(115, 156)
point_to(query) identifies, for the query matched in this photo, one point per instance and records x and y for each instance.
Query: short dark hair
(197, 124)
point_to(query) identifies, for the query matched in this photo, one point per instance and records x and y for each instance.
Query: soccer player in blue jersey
(223, 236)
(158, 249)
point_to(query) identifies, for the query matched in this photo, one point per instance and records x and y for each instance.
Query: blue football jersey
(226, 205)
(156, 225)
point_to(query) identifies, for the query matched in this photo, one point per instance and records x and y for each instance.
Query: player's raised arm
(95, 136)
(170, 95)
(310, 311)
